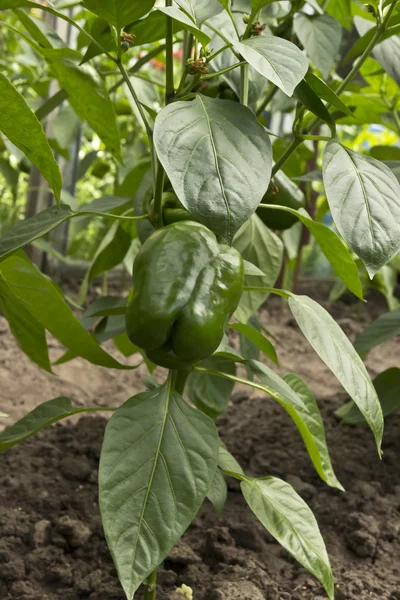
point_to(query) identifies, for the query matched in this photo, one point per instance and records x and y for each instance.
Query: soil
(51, 540)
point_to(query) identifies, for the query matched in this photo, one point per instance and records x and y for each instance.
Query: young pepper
(186, 288)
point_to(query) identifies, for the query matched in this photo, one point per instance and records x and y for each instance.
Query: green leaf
(211, 393)
(363, 195)
(263, 248)
(119, 12)
(387, 385)
(42, 416)
(326, 93)
(157, 464)
(278, 60)
(88, 96)
(200, 10)
(321, 36)
(218, 159)
(309, 423)
(257, 338)
(384, 328)
(290, 521)
(44, 301)
(30, 335)
(20, 125)
(387, 53)
(180, 16)
(312, 102)
(275, 386)
(218, 492)
(335, 349)
(151, 28)
(385, 153)
(341, 11)
(227, 462)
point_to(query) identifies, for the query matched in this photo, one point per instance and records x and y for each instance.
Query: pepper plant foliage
(208, 209)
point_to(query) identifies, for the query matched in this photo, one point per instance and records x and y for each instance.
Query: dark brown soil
(52, 545)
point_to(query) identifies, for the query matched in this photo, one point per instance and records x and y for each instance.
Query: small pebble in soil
(237, 590)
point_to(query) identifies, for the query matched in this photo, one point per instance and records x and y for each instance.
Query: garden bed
(51, 541)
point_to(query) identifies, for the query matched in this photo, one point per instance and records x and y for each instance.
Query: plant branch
(267, 100)
(159, 189)
(150, 592)
(396, 118)
(267, 290)
(138, 65)
(169, 90)
(223, 37)
(244, 84)
(241, 64)
(356, 67)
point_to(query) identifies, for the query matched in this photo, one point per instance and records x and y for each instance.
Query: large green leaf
(218, 492)
(335, 349)
(218, 159)
(384, 328)
(200, 10)
(158, 462)
(321, 36)
(20, 125)
(119, 12)
(387, 385)
(290, 521)
(263, 248)
(307, 96)
(341, 11)
(29, 230)
(30, 334)
(211, 393)
(42, 416)
(311, 426)
(44, 301)
(88, 96)
(326, 93)
(278, 60)
(363, 195)
(181, 17)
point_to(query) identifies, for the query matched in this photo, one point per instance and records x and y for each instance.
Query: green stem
(240, 64)
(267, 290)
(244, 84)
(267, 100)
(222, 49)
(90, 213)
(150, 592)
(143, 115)
(223, 37)
(396, 118)
(187, 50)
(180, 377)
(356, 67)
(157, 209)
(169, 89)
(138, 65)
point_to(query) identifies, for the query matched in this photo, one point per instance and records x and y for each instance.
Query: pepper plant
(211, 196)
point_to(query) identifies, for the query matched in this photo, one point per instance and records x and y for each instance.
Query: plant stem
(157, 209)
(169, 89)
(143, 115)
(187, 49)
(180, 378)
(266, 100)
(150, 592)
(244, 84)
(396, 118)
(241, 64)
(222, 49)
(267, 290)
(356, 67)
(223, 37)
(138, 65)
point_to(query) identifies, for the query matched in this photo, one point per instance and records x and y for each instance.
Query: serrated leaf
(257, 338)
(157, 464)
(211, 393)
(387, 385)
(321, 36)
(45, 302)
(42, 416)
(278, 60)
(119, 12)
(263, 248)
(200, 10)
(20, 125)
(218, 492)
(337, 352)
(364, 198)
(180, 16)
(384, 328)
(309, 423)
(290, 521)
(218, 159)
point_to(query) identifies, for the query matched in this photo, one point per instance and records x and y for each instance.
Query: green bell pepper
(186, 288)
